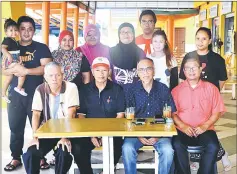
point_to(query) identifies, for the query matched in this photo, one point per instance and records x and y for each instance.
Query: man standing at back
(34, 56)
(147, 21)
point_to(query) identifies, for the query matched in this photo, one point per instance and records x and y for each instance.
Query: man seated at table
(53, 99)
(149, 97)
(199, 106)
(100, 98)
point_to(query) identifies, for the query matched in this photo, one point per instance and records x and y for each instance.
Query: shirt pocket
(183, 104)
(205, 106)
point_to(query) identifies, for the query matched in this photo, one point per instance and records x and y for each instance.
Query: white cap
(100, 61)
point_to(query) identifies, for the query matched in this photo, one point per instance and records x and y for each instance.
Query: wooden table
(106, 128)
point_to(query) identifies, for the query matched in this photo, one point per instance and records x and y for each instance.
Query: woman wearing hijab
(92, 47)
(125, 56)
(75, 64)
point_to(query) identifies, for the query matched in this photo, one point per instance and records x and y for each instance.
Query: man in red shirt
(147, 21)
(199, 105)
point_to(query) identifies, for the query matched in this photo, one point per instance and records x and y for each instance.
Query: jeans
(210, 143)
(163, 146)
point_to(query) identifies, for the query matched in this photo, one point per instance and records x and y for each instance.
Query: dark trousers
(32, 157)
(210, 143)
(81, 150)
(18, 110)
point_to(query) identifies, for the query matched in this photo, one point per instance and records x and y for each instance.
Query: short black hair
(25, 19)
(9, 23)
(207, 30)
(148, 12)
(192, 57)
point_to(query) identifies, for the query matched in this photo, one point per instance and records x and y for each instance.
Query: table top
(89, 127)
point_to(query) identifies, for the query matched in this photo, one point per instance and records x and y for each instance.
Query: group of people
(95, 81)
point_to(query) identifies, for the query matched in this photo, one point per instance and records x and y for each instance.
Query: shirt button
(148, 104)
(147, 112)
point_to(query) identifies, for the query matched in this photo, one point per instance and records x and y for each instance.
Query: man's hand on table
(33, 142)
(97, 142)
(65, 142)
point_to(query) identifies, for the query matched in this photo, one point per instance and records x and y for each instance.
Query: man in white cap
(100, 98)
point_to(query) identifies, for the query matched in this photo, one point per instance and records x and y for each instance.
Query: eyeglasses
(150, 22)
(125, 33)
(191, 68)
(147, 69)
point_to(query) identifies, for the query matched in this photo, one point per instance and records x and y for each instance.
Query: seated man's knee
(33, 151)
(128, 149)
(166, 151)
(176, 143)
(213, 147)
(62, 152)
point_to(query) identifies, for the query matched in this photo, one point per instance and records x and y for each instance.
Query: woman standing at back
(93, 47)
(166, 70)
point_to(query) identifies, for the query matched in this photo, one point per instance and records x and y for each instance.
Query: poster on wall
(203, 15)
(213, 11)
(226, 7)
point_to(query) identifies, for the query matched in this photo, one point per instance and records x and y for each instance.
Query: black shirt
(31, 55)
(12, 44)
(104, 104)
(214, 68)
(85, 67)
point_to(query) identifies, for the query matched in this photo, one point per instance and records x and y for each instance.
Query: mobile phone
(159, 120)
(141, 120)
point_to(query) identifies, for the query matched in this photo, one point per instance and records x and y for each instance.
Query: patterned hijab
(70, 60)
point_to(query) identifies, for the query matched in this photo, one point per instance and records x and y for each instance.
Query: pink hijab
(93, 51)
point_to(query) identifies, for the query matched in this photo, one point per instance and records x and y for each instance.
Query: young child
(166, 70)
(11, 52)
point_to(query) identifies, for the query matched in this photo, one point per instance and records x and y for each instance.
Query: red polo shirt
(196, 105)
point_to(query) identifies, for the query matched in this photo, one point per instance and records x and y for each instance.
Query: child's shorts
(15, 56)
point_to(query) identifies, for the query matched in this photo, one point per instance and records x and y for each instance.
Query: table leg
(111, 155)
(106, 155)
(233, 92)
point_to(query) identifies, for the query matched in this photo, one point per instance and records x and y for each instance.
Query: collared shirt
(59, 104)
(104, 104)
(151, 104)
(196, 105)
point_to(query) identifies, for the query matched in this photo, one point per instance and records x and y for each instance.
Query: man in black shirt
(100, 98)
(34, 56)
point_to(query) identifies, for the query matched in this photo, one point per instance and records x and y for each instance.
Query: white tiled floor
(223, 132)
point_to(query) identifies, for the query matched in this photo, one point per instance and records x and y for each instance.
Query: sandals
(44, 165)
(10, 167)
(6, 99)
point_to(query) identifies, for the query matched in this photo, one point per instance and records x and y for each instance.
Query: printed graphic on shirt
(109, 100)
(28, 56)
(124, 76)
(204, 71)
